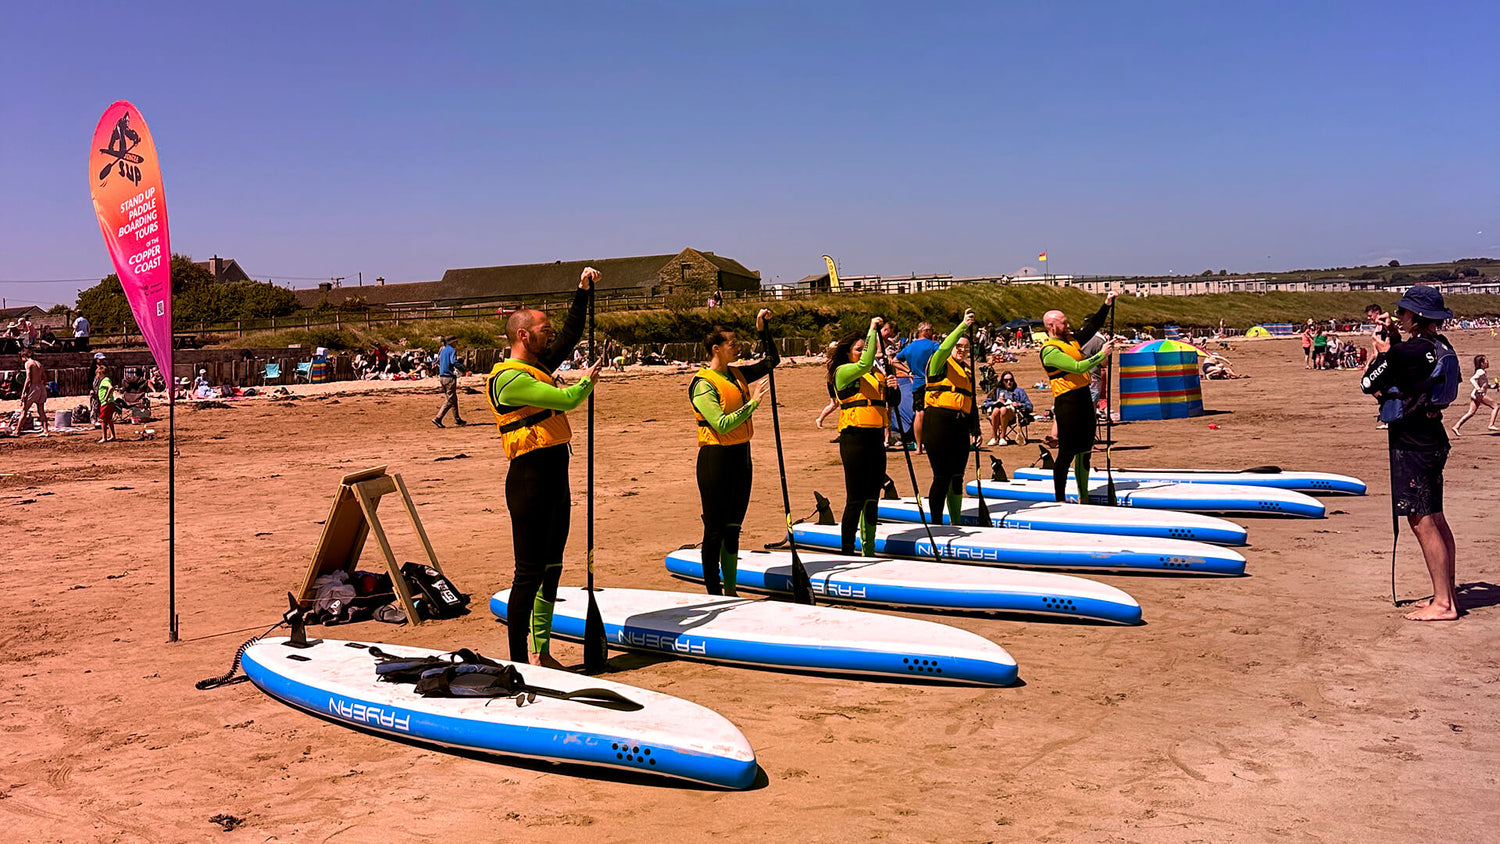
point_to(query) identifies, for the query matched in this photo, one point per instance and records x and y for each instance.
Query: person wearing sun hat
(1416, 379)
(99, 375)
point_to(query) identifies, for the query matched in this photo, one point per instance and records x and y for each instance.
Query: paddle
(984, 509)
(595, 646)
(1109, 417)
(912, 470)
(801, 583)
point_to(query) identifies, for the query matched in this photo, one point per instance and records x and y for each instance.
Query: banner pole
(171, 380)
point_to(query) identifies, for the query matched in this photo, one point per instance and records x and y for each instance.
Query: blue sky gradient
(311, 140)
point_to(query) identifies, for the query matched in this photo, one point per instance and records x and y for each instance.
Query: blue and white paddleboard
(1044, 549)
(929, 585)
(1081, 518)
(1310, 482)
(1203, 498)
(668, 736)
(776, 634)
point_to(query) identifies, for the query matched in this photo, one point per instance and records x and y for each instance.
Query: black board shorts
(1417, 481)
(919, 398)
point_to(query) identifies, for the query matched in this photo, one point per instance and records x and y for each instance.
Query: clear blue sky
(400, 139)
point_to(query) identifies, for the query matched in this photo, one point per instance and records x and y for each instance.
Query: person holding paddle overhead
(1072, 405)
(863, 416)
(949, 413)
(529, 410)
(723, 400)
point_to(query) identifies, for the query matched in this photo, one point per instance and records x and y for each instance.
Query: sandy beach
(1291, 704)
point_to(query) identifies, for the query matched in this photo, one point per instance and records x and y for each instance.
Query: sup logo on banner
(121, 143)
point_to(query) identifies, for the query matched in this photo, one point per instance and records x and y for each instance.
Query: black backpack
(433, 594)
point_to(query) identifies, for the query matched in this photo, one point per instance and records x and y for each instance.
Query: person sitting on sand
(1216, 368)
(1479, 383)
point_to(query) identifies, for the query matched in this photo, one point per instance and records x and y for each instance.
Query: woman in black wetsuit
(948, 421)
(723, 400)
(863, 416)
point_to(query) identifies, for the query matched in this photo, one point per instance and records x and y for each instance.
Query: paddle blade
(595, 647)
(1110, 497)
(801, 584)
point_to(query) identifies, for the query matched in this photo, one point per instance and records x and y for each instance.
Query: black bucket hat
(1426, 302)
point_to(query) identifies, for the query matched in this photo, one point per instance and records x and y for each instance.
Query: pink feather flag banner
(125, 182)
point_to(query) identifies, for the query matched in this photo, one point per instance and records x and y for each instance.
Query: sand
(1290, 704)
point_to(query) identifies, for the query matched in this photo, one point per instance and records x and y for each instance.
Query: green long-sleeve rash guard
(851, 372)
(937, 365)
(522, 390)
(1058, 359)
(706, 401)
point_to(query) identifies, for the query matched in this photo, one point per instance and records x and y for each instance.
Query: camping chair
(273, 372)
(1019, 430)
(304, 371)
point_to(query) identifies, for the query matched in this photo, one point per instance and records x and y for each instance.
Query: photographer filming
(1415, 379)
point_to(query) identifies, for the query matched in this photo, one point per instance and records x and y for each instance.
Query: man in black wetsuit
(1068, 369)
(530, 411)
(1414, 373)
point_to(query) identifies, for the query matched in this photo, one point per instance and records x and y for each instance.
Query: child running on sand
(1480, 381)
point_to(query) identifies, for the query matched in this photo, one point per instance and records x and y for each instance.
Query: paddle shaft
(801, 583)
(1109, 416)
(595, 646)
(978, 428)
(911, 470)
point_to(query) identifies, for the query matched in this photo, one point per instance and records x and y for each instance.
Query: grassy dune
(827, 317)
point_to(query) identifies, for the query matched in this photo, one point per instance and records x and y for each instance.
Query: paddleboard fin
(294, 619)
(825, 509)
(1046, 458)
(997, 470)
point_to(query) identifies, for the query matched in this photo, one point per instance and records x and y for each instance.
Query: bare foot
(1433, 612)
(545, 660)
(1456, 434)
(1493, 428)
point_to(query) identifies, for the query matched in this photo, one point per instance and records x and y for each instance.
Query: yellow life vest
(732, 395)
(1064, 382)
(524, 428)
(954, 391)
(862, 404)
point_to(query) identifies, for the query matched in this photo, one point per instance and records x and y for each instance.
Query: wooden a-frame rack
(350, 521)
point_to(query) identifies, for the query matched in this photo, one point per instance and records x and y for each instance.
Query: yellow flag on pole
(833, 272)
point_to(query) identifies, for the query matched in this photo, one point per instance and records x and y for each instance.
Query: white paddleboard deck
(1208, 498)
(928, 585)
(668, 736)
(776, 634)
(1080, 518)
(1309, 482)
(1033, 549)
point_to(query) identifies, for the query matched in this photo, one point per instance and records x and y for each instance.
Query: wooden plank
(411, 510)
(398, 582)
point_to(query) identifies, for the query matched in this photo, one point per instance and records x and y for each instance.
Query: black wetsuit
(724, 476)
(537, 496)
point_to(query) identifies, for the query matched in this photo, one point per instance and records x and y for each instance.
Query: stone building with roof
(688, 271)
